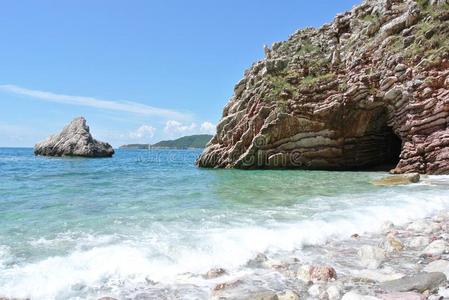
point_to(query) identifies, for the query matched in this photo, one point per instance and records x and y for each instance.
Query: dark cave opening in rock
(394, 148)
(392, 151)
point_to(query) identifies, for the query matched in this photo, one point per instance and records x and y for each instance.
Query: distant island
(185, 142)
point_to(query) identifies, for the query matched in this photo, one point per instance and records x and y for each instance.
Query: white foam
(69, 237)
(4, 255)
(167, 257)
(54, 277)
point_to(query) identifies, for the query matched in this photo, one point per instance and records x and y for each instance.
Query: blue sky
(140, 70)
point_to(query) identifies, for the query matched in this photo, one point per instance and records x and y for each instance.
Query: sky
(139, 71)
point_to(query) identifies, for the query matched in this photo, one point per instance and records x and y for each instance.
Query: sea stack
(369, 89)
(74, 140)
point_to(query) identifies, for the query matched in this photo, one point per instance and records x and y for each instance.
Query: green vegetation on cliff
(368, 89)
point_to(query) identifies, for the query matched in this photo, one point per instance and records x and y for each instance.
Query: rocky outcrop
(74, 140)
(370, 88)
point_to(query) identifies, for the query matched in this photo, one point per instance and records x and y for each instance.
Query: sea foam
(168, 259)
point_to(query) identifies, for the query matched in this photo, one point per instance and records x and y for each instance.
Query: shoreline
(400, 262)
(316, 258)
(405, 262)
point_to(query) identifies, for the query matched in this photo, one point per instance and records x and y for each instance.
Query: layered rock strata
(370, 88)
(74, 140)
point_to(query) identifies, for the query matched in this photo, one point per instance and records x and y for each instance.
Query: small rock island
(74, 140)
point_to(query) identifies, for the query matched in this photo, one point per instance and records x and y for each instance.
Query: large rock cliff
(369, 89)
(74, 140)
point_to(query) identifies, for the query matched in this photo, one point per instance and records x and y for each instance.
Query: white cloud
(124, 106)
(207, 127)
(173, 127)
(143, 132)
(20, 136)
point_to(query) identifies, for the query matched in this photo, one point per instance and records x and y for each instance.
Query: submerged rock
(257, 261)
(397, 180)
(228, 285)
(371, 256)
(74, 140)
(420, 282)
(214, 273)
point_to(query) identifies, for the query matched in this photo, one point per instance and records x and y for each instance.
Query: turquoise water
(74, 228)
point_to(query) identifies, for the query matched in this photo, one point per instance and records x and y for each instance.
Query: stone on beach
(268, 295)
(371, 256)
(308, 273)
(355, 296)
(403, 296)
(74, 140)
(418, 242)
(316, 291)
(424, 226)
(334, 292)
(288, 295)
(442, 216)
(437, 247)
(420, 282)
(322, 273)
(303, 273)
(392, 244)
(379, 275)
(438, 266)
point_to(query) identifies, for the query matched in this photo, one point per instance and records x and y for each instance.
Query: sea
(149, 224)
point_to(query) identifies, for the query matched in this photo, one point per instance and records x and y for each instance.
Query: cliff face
(368, 89)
